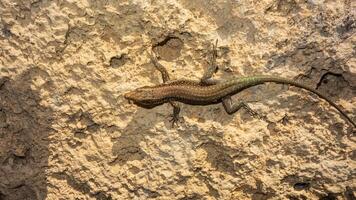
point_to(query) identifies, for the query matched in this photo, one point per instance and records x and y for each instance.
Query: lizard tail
(263, 79)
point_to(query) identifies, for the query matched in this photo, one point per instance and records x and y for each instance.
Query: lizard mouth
(129, 97)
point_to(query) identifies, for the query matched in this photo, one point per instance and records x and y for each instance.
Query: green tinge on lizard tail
(257, 80)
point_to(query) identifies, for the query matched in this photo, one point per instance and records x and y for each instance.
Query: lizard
(209, 91)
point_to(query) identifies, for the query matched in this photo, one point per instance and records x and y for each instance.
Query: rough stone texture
(67, 133)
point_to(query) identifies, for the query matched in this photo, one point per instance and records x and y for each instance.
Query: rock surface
(66, 131)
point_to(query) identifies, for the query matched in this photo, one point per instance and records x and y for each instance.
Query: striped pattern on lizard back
(193, 92)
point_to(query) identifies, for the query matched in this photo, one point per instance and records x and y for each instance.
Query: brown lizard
(208, 91)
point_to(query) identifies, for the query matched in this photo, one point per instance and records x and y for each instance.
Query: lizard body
(208, 91)
(196, 93)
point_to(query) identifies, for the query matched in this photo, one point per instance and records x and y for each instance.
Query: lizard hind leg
(165, 78)
(231, 108)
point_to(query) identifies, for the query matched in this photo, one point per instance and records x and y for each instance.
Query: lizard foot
(175, 119)
(252, 112)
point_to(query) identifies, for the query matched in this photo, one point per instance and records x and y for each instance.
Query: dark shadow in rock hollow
(24, 129)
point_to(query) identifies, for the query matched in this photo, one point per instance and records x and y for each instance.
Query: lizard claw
(174, 120)
(252, 112)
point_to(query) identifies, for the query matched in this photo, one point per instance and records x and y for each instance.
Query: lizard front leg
(231, 108)
(165, 78)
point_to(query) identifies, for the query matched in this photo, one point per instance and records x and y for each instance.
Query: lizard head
(145, 97)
